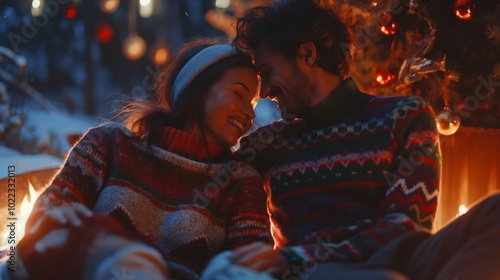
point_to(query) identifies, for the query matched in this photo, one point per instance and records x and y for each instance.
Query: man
(350, 177)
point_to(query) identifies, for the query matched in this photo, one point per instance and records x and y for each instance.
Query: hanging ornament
(413, 6)
(388, 23)
(109, 6)
(71, 11)
(134, 46)
(104, 32)
(464, 9)
(447, 121)
(417, 68)
(383, 78)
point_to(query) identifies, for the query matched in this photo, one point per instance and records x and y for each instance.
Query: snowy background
(70, 53)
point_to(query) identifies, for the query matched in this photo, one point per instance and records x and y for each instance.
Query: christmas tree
(447, 52)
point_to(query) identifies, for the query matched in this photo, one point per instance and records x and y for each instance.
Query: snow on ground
(42, 140)
(25, 163)
(50, 126)
(48, 132)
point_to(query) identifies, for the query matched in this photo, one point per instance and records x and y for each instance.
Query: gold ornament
(447, 121)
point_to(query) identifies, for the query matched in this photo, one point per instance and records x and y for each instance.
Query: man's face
(283, 80)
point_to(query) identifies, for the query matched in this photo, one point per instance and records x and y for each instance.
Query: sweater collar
(344, 99)
(190, 146)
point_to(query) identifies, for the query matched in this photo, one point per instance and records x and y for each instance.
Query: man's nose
(265, 89)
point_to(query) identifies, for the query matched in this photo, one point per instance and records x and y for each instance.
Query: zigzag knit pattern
(164, 193)
(348, 176)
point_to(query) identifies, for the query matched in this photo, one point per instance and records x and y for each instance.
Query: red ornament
(464, 9)
(388, 23)
(383, 78)
(104, 32)
(71, 11)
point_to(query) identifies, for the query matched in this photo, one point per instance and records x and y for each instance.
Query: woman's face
(228, 111)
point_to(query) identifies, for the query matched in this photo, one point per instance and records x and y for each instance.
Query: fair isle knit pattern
(164, 193)
(348, 176)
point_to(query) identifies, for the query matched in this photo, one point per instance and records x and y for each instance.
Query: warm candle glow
(462, 209)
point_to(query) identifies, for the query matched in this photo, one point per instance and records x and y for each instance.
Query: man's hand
(260, 257)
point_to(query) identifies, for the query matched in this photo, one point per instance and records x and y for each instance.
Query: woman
(166, 176)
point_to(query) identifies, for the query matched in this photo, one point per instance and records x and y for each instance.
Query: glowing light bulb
(134, 47)
(37, 7)
(145, 8)
(109, 6)
(222, 4)
(462, 209)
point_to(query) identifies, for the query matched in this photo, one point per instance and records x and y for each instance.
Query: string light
(133, 46)
(385, 78)
(159, 53)
(71, 11)
(109, 6)
(145, 8)
(222, 4)
(37, 7)
(105, 32)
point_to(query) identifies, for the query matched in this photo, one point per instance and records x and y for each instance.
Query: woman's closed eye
(239, 95)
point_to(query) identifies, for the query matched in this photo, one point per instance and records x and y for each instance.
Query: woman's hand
(261, 257)
(63, 215)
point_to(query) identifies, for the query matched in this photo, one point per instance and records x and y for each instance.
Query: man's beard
(299, 88)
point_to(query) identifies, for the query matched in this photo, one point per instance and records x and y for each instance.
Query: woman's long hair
(144, 117)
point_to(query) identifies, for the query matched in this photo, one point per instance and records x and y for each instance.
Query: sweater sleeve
(81, 176)
(410, 201)
(248, 219)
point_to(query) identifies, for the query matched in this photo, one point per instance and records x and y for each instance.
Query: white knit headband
(199, 63)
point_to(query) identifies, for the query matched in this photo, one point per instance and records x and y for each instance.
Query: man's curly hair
(284, 25)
